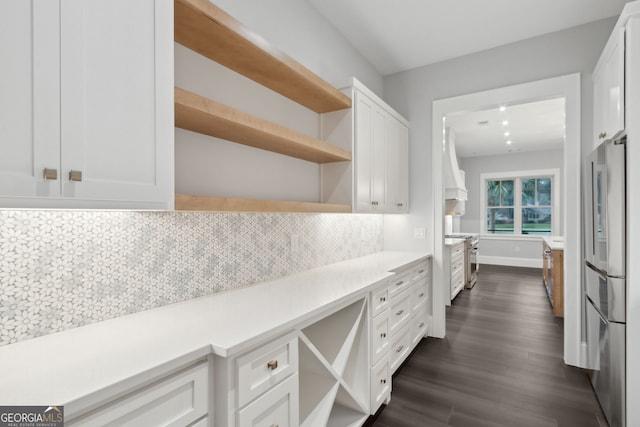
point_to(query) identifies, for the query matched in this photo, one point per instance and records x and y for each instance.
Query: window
(520, 203)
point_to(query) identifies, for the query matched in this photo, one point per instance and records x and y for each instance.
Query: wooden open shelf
(208, 30)
(196, 113)
(185, 202)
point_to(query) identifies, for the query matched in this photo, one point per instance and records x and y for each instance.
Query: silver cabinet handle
(75, 176)
(421, 295)
(399, 312)
(421, 325)
(399, 349)
(50, 174)
(399, 283)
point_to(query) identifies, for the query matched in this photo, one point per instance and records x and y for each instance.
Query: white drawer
(419, 326)
(457, 283)
(419, 296)
(380, 337)
(178, 400)
(420, 272)
(380, 384)
(399, 284)
(400, 312)
(380, 300)
(457, 265)
(265, 367)
(400, 348)
(278, 407)
(457, 250)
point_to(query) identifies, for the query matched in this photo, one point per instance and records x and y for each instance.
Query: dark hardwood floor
(500, 364)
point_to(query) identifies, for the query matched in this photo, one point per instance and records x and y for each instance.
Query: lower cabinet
(179, 400)
(453, 268)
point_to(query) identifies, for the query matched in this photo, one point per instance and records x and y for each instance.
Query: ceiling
(533, 126)
(404, 34)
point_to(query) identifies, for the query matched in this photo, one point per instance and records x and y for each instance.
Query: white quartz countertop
(554, 242)
(452, 242)
(61, 368)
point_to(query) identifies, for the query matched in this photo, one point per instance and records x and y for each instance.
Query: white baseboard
(510, 261)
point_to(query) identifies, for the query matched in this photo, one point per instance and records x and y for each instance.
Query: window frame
(517, 177)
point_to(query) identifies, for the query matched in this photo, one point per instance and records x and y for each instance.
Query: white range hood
(455, 190)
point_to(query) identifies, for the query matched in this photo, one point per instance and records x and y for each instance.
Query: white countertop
(453, 242)
(554, 242)
(65, 367)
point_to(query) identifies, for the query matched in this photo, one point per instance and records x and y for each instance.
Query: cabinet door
(117, 99)
(30, 97)
(397, 146)
(370, 136)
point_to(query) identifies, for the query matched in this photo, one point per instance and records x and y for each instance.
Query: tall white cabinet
(86, 116)
(378, 178)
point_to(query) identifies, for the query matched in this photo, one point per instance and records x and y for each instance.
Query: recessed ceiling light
(509, 142)
(507, 134)
(502, 108)
(505, 122)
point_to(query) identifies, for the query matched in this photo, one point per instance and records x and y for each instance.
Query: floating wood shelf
(196, 113)
(206, 29)
(201, 203)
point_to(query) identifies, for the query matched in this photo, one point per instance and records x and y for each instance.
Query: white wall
(507, 250)
(413, 92)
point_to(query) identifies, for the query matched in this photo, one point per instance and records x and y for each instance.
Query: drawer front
(176, 401)
(400, 312)
(457, 265)
(380, 300)
(420, 272)
(399, 284)
(419, 326)
(457, 250)
(400, 348)
(380, 337)
(457, 283)
(380, 384)
(264, 367)
(278, 407)
(419, 295)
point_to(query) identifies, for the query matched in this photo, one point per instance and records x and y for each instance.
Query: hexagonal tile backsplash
(63, 269)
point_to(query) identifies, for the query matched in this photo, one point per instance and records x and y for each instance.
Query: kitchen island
(553, 272)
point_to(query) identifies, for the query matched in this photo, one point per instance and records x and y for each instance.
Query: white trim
(512, 237)
(517, 177)
(510, 261)
(567, 86)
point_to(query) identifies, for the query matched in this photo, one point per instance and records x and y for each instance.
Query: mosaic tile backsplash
(64, 269)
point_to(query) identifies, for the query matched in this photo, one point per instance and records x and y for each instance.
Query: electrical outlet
(419, 233)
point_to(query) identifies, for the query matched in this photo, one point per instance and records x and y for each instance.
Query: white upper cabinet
(608, 89)
(94, 92)
(377, 180)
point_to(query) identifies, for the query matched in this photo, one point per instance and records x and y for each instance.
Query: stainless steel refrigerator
(605, 276)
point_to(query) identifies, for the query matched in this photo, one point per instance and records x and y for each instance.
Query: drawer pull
(272, 365)
(399, 205)
(383, 335)
(374, 203)
(421, 295)
(50, 174)
(421, 271)
(75, 176)
(383, 381)
(274, 425)
(399, 349)
(421, 325)
(398, 313)
(399, 283)
(383, 299)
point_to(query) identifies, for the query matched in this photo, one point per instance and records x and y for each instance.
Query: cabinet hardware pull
(274, 425)
(421, 271)
(50, 174)
(383, 335)
(421, 295)
(399, 205)
(374, 203)
(421, 325)
(383, 381)
(400, 283)
(603, 135)
(399, 312)
(75, 176)
(399, 349)
(383, 299)
(272, 365)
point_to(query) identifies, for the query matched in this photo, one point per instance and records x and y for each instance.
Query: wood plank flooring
(500, 364)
